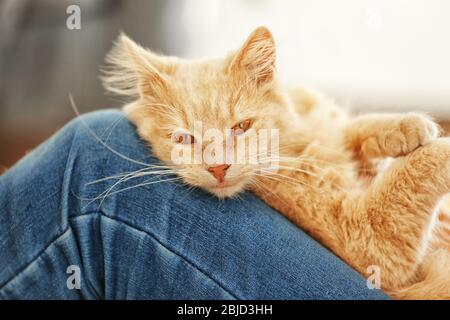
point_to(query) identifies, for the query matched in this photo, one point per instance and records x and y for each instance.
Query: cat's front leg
(389, 135)
(393, 216)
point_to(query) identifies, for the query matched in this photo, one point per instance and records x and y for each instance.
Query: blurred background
(390, 55)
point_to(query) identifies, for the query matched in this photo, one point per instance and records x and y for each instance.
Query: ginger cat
(329, 180)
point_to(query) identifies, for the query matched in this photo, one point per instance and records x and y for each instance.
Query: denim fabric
(159, 241)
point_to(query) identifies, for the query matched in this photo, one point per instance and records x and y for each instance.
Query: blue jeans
(157, 241)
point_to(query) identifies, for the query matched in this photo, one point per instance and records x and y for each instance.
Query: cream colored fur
(330, 181)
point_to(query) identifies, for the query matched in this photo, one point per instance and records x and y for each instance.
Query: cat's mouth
(226, 188)
(223, 184)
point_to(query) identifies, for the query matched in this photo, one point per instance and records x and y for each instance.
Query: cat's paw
(412, 131)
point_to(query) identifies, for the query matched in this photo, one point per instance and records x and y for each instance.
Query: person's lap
(155, 241)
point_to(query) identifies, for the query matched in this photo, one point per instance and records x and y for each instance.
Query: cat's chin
(228, 191)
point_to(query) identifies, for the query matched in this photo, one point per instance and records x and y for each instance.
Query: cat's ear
(256, 57)
(134, 71)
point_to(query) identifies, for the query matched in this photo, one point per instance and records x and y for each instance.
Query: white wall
(385, 54)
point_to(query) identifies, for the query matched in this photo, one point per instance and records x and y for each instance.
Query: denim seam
(56, 237)
(133, 227)
(65, 185)
(67, 223)
(33, 260)
(90, 285)
(166, 247)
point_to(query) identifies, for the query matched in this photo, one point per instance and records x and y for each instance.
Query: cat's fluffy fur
(330, 181)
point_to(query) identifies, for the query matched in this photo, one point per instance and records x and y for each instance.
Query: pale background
(368, 54)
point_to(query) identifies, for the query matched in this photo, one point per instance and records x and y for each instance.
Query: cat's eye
(241, 127)
(183, 138)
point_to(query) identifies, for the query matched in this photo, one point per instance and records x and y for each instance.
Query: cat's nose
(219, 171)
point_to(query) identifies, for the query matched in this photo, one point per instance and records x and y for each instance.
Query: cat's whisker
(279, 160)
(124, 178)
(289, 178)
(281, 178)
(239, 197)
(105, 192)
(113, 126)
(141, 173)
(329, 164)
(108, 190)
(188, 190)
(299, 170)
(117, 176)
(267, 190)
(300, 161)
(308, 143)
(149, 173)
(267, 176)
(340, 153)
(83, 122)
(145, 184)
(317, 176)
(309, 162)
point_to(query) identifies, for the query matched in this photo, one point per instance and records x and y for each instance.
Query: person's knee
(103, 144)
(97, 120)
(99, 127)
(109, 134)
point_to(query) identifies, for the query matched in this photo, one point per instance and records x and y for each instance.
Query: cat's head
(177, 102)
